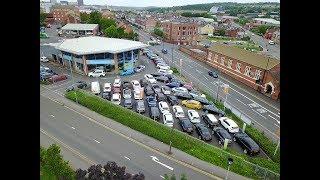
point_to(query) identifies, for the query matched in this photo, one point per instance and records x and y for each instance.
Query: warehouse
(80, 29)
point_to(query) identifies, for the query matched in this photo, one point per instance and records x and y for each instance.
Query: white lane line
(127, 158)
(197, 70)
(52, 115)
(97, 141)
(241, 102)
(162, 177)
(277, 125)
(73, 128)
(274, 118)
(258, 113)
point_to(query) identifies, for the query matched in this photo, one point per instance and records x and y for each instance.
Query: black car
(164, 51)
(202, 100)
(163, 79)
(221, 134)
(126, 84)
(154, 113)
(161, 97)
(156, 88)
(174, 84)
(183, 96)
(206, 119)
(186, 125)
(152, 101)
(143, 82)
(106, 95)
(148, 90)
(173, 100)
(127, 103)
(81, 84)
(212, 109)
(70, 88)
(213, 74)
(156, 74)
(249, 146)
(169, 76)
(203, 132)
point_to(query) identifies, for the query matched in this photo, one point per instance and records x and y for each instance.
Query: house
(108, 14)
(266, 21)
(207, 29)
(127, 27)
(65, 14)
(147, 23)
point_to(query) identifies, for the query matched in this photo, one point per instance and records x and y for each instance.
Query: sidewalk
(148, 142)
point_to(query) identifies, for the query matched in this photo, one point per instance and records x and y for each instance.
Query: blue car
(174, 84)
(152, 101)
(126, 72)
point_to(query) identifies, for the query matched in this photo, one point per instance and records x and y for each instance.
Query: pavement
(262, 111)
(87, 137)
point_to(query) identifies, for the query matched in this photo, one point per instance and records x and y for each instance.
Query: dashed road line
(127, 158)
(96, 141)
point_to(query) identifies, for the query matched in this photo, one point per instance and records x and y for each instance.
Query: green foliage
(111, 32)
(220, 32)
(84, 17)
(105, 23)
(242, 21)
(158, 32)
(246, 38)
(180, 140)
(175, 70)
(43, 17)
(260, 30)
(183, 177)
(190, 14)
(95, 17)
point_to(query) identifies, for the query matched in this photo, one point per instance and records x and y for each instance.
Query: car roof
(211, 116)
(231, 122)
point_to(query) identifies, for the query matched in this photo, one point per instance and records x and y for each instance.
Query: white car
(95, 87)
(168, 119)
(44, 59)
(212, 118)
(97, 73)
(162, 71)
(150, 78)
(165, 90)
(117, 82)
(271, 42)
(135, 84)
(107, 87)
(229, 124)
(163, 106)
(137, 94)
(179, 89)
(178, 111)
(162, 66)
(116, 98)
(193, 116)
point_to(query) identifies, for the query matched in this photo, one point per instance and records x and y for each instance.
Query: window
(189, 33)
(183, 33)
(178, 33)
(179, 28)
(216, 58)
(209, 56)
(222, 60)
(194, 33)
(247, 71)
(99, 56)
(230, 64)
(238, 67)
(257, 74)
(183, 28)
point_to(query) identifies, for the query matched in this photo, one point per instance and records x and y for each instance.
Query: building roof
(80, 27)
(268, 20)
(60, 6)
(97, 44)
(243, 55)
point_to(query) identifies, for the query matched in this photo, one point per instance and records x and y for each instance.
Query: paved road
(95, 143)
(271, 50)
(261, 110)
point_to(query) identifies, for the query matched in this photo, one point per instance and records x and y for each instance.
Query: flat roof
(246, 56)
(80, 27)
(268, 20)
(97, 44)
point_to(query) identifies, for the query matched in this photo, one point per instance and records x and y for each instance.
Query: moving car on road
(186, 125)
(229, 124)
(193, 116)
(249, 146)
(221, 134)
(192, 104)
(210, 119)
(97, 73)
(168, 119)
(203, 132)
(213, 74)
(178, 111)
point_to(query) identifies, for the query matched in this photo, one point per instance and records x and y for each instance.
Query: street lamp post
(170, 152)
(230, 161)
(73, 81)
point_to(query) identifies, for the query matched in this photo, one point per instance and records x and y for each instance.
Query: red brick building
(184, 33)
(147, 23)
(49, 19)
(65, 14)
(127, 27)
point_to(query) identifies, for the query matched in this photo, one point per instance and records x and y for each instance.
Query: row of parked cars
(47, 74)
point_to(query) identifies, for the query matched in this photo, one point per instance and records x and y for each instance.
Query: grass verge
(188, 144)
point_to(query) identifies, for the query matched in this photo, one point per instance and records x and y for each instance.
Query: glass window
(90, 57)
(99, 56)
(222, 60)
(257, 74)
(247, 71)
(238, 67)
(230, 64)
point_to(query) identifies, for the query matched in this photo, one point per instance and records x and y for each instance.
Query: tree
(158, 32)
(111, 32)
(220, 32)
(173, 177)
(105, 23)
(84, 17)
(95, 17)
(43, 17)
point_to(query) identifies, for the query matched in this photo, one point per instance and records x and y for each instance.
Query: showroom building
(87, 53)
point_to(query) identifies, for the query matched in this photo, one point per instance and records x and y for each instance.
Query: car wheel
(101, 75)
(245, 151)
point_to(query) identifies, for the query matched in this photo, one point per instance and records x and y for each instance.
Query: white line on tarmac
(127, 158)
(241, 102)
(52, 115)
(274, 118)
(97, 141)
(258, 113)
(277, 125)
(162, 177)
(73, 128)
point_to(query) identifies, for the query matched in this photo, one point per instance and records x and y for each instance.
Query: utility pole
(73, 82)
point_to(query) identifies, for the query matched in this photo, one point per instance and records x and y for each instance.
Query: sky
(161, 3)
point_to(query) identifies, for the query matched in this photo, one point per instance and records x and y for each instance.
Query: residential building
(80, 2)
(207, 29)
(127, 27)
(80, 29)
(146, 23)
(86, 53)
(234, 32)
(227, 19)
(46, 6)
(108, 14)
(64, 2)
(184, 33)
(266, 21)
(49, 19)
(65, 14)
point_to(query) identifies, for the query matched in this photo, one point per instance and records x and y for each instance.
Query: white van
(95, 87)
(116, 98)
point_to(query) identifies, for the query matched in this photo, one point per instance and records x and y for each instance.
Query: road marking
(258, 113)
(97, 141)
(127, 158)
(52, 115)
(69, 148)
(73, 128)
(274, 118)
(253, 105)
(260, 110)
(197, 70)
(155, 159)
(277, 125)
(241, 102)
(162, 177)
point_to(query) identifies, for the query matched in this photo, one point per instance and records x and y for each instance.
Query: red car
(116, 90)
(57, 78)
(188, 86)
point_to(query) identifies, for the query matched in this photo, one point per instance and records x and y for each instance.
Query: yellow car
(192, 104)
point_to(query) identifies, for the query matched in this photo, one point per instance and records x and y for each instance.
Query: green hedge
(188, 144)
(175, 70)
(264, 142)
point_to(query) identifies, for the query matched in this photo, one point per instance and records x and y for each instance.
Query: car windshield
(140, 103)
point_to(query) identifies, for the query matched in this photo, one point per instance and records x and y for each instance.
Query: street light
(230, 161)
(170, 152)
(73, 81)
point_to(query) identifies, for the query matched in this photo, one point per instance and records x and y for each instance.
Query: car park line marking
(73, 128)
(96, 141)
(260, 110)
(127, 158)
(141, 144)
(155, 159)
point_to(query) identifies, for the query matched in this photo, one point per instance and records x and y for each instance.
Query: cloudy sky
(161, 3)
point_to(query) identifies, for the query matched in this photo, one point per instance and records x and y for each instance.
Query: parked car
(57, 78)
(139, 68)
(137, 94)
(135, 84)
(106, 95)
(160, 96)
(165, 90)
(212, 109)
(193, 116)
(186, 125)
(140, 106)
(229, 124)
(70, 88)
(163, 79)
(174, 84)
(194, 93)
(152, 101)
(143, 82)
(188, 86)
(148, 90)
(126, 84)
(126, 93)
(203, 132)
(156, 74)
(81, 84)
(164, 51)
(210, 119)
(150, 78)
(117, 82)
(156, 88)
(107, 87)
(163, 106)
(169, 76)
(191, 104)
(183, 96)
(97, 73)
(179, 90)
(202, 100)
(127, 103)
(154, 113)
(249, 146)
(213, 74)
(116, 98)
(116, 89)
(163, 66)
(168, 119)
(178, 111)
(173, 100)
(164, 72)
(271, 42)
(221, 134)
(44, 59)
